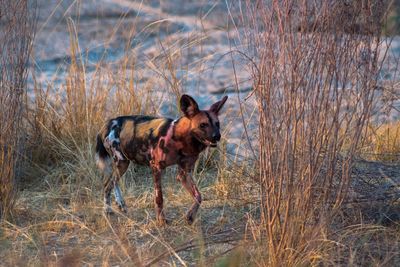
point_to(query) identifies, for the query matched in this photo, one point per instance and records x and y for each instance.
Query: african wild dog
(158, 143)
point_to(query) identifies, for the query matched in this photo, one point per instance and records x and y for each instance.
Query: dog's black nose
(216, 137)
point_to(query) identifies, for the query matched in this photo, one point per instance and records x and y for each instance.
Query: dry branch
(314, 87)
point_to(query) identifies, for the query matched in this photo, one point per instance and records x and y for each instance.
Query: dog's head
(204, 124)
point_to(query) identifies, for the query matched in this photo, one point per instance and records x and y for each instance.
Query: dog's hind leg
(111, 181)
(105, 165)
(108, 186)
(121, 168)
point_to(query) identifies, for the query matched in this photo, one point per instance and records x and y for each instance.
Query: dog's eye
(217, 124)
(203, 125)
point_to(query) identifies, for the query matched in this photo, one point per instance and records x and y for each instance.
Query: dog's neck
(182, 133)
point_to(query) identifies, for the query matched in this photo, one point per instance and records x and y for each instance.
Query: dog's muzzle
(216, 137)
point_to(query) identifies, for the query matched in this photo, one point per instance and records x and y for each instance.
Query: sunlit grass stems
(315, 74)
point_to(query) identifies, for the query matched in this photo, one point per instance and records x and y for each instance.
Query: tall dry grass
(17, 24)
(387, 144)
(383, 142)
(316, 65)
(64, 119)
(63, 122)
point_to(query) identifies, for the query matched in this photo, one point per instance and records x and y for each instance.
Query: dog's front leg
(158, 197)
(184, 175)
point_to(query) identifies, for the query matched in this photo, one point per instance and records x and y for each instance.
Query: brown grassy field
(58, 217)
(313, 181)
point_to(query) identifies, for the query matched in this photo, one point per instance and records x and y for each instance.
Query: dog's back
(130, 138)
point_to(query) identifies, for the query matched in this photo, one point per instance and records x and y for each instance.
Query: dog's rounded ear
(189, 106)
(216, 107)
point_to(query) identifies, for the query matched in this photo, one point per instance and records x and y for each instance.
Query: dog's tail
(103, 159)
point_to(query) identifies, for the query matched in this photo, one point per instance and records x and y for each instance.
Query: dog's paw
(161, 220)
(108, 211)
(123, 208)
(189, 219)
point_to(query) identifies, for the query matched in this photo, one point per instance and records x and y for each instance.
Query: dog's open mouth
(205, 141)
(209, 143)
